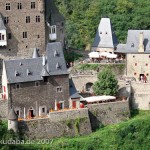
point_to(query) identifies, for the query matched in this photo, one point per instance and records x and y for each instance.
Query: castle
(35, 86)
(25, 25)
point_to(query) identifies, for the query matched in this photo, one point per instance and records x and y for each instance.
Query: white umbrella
(94, 55)
(104, 54)
(99, 98)
(111, 56)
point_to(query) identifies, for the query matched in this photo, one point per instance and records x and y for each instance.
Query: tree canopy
(83, 16)
(107, 84)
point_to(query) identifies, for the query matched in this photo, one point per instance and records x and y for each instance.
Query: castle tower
(41, 6)
(105, 39)
(13, 120)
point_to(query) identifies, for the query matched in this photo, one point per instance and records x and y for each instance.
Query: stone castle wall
(67, 123)
(108, 113)
(140, 95)
(17, 45)
(44, 95)
(138, 64)
(3, 109)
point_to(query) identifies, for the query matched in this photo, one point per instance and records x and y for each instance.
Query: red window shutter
(74, 104)
(4, 88)
(4, 96)
(58, 106)
(81, 105)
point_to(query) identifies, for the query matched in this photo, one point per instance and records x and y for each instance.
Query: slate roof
(105, 36)
(12, 115)
(2, 26)
(73, 92)
(55, 56)
(52, 13)
(33, 69)
(133, 42)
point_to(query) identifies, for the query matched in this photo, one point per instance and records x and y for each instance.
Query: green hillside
(130, 135)
(83, 16)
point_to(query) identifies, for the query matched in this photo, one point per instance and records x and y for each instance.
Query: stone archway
(88, 86)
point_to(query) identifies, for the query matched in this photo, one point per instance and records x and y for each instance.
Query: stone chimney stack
(141, 45)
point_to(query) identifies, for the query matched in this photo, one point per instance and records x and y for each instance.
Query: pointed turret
(12, 120)
(35, 53)
(2, 26)
(12, 115)
(105, 37)
(45, 71)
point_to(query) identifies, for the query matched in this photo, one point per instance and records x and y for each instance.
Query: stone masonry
(16, 25)
(66, 123)
(28, 95)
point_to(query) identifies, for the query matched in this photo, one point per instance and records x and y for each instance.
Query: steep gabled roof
(12, 115)
(132, 44)
(33, 69)
(2, 26)
(54, 60)
(133, 40)
(21, 66)
(105, 36)
(73, 92)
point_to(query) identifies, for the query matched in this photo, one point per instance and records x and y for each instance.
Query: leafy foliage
(72, 56)
(107, 84)
(83, 16)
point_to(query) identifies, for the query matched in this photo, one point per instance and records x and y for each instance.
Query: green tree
(107, 84)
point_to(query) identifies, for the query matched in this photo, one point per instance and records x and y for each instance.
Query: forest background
(83, 17)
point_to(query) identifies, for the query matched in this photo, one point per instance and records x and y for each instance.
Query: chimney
(141, 45)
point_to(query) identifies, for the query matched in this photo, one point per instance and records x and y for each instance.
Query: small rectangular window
(27, 19)
(2, 37)
(59, 89)
(5, 20)
(45, 79)
(9, 36)
(19, 5)
(53, 29)
(36, 83)
(17, 86)
(18, 113)
(7, 6)
(43, 110)
(37, 18)
(32, 5)
(24, 34)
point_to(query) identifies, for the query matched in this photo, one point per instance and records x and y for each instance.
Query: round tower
(41, 6)
(13, 120)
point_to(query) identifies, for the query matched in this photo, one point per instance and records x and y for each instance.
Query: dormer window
(58, 66)
(20, 64)
(28, 72)
(56, 53)
(17, 73)
(132, 45)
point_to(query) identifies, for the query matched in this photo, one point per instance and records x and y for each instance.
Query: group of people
(143, 79)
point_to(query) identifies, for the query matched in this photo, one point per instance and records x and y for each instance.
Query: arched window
(89, 86)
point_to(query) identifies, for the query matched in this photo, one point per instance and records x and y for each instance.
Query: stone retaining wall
(108, 113)
(67, 123)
